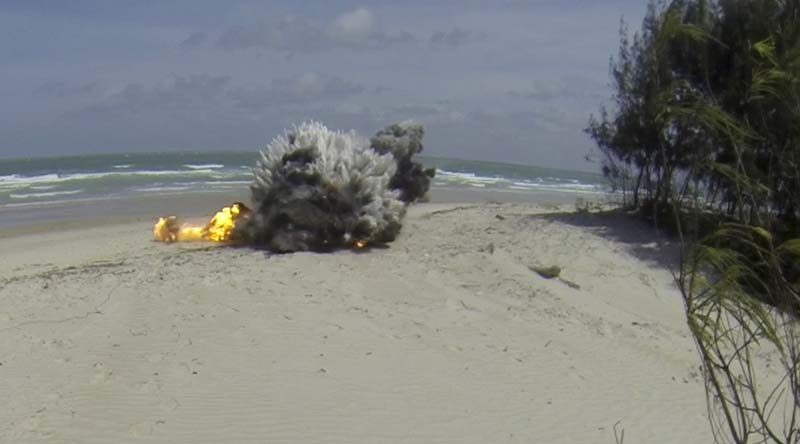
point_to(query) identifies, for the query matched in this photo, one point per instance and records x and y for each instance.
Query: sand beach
(446, 336)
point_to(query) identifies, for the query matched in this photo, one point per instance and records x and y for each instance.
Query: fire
(360, 244)
(219, 229)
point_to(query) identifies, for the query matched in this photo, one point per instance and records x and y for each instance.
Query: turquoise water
(40, 181)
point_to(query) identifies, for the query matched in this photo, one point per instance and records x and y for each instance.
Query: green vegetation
(550, 272)
(704, 138)
(707, 102)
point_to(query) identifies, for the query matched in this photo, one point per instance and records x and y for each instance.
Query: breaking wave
(204, 167)
(40, 195)
(552, 184)
(45, 180)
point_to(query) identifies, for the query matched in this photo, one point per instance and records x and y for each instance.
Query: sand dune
(446, 336)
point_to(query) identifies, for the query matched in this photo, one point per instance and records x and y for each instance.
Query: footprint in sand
(101, 374)
(148, 386)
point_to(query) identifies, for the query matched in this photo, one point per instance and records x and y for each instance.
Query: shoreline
(70, 215)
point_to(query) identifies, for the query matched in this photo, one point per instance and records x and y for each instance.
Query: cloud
(561, 89)
(312, 85)
(195, 92)
(456, 37)
(417, 110)
(357, 29)
(289, 34)
(355, 25)
(302, 89)
(205, 95)
(544, 90)
(194, 40)
(59, 89)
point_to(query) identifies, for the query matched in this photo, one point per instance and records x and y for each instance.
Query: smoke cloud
(319, 190)
(403, 141)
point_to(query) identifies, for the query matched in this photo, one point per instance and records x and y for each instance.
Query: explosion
(319, 190)
(221, 227)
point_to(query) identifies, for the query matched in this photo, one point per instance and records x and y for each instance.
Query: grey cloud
(512, 121)
(357, 25)
(432, 114)
(543, 90)
(289, 34)
(57, 89)
(205, 95)
(194, 40)
(356, 29)
(195, 92)
(456, 37)
(296, 90)
(381, 89)
(417, 110)
(551, 118)
(315, 85)
(559, 89)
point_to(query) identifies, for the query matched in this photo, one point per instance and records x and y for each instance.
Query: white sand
(445, 337)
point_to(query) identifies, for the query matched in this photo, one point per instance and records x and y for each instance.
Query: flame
(221, 226)
(219, 229)
(360, 244)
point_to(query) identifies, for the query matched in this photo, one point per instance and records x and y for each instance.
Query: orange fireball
(219, 229)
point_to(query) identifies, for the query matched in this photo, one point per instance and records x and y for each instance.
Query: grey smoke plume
(403, 141)
(317, 189)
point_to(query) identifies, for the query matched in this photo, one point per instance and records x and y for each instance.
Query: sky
(505, 80)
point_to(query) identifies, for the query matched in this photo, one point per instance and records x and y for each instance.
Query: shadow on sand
(641, 240)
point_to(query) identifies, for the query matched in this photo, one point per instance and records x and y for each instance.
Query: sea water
(59, 180)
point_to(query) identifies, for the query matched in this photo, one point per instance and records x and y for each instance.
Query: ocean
(37, 182)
